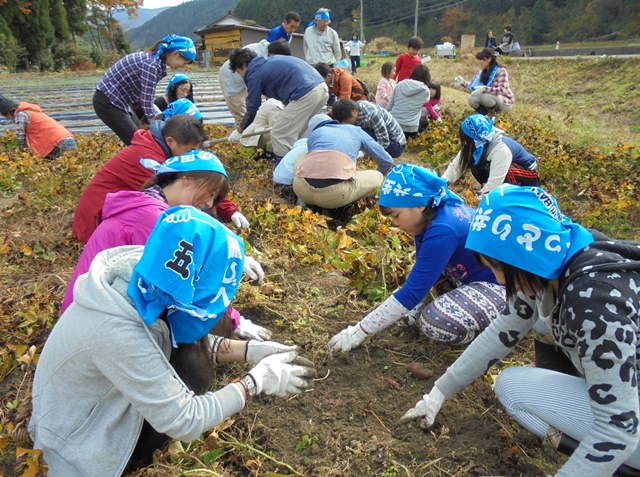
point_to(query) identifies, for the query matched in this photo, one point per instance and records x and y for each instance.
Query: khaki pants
(364, 184)
(489, 101)
(237, 106)
(291, 124)
(265, 118)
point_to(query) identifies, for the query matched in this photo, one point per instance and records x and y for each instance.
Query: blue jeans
(395, 149)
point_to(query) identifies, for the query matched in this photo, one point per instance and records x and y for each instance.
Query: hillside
(183, 19)
(143, 16)
(533, 21)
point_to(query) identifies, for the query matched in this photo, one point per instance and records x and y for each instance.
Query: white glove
(240, 220)
(247, 329)
(258, 350)
(439, 120)
(280, 375)
(459, 80)
(428, 407)
(477, 90)
(349, 338)
(385, 315)
(253, 269)
(235, 136)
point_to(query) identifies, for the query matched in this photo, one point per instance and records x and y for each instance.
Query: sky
(161, 3)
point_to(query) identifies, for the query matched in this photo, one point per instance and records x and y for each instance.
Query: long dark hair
(467, 151)
(193, 362)
(428, 214)
(514, 278)
(485, 54)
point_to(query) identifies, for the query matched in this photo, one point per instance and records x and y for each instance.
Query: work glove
(459, 80)
(282, 374)
(385, 315)
(258, 350)
(428, 407)
(235, 136)
(477, 90)
(253, 269)
(240, 220)
(439, 120)
(248, 329)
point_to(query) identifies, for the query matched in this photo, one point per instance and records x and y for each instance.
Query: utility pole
(361, 20)
(415, 22)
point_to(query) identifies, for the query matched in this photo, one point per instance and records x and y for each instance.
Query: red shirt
(405, 65)
(124, 172)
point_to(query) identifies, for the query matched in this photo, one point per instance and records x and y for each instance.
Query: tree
(540, 22)
(101, 19)
(58, 15)
(76, 16)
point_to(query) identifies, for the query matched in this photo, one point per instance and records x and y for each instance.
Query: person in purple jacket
(421, 204)
(196, 178)
(288, 79)
(126, 91)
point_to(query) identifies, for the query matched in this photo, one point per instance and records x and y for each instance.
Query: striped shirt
(22, 121)
(133, 79)
(380, 121)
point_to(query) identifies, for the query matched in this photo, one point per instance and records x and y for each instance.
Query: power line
(406, 15)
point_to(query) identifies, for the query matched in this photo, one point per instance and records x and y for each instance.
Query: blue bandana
(408, 185)
(480, 129)
(192, 266)
(523, 227)
(195, 160)
(321, 14)
(182, 106)
(179, 43)
(175, 79)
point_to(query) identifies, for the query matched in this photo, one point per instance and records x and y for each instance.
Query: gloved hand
(240, 220)
(253, 269)
(439, 120)
(477, 90)
(247, 329)
(349, 338)
(385, 315)
(428, 407)
(258, 350)
(235, 136)
(282, 374)
(459, 80)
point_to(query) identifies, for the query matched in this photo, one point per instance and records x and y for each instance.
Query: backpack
(364, 90)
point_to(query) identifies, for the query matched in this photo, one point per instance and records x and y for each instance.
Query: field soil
(319, 279)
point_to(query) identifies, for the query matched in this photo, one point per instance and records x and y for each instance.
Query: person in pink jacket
(177, 135)
(386, 85)
(196, 178)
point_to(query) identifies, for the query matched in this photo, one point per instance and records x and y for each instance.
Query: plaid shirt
(22, 120)
(133, 79)
(501, 87)
(380, 121)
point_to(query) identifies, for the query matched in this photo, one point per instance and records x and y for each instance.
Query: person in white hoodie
(407, 100)
(111, 386)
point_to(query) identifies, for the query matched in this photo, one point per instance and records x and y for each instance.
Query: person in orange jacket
(37, 131)
(343, 83)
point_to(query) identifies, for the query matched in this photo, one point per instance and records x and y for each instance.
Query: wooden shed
(229, 32)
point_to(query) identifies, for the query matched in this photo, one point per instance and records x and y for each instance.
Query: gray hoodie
(103, 371)
(406, 103)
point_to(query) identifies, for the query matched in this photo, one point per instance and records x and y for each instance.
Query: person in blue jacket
(288, 79)
(286, 29)
(421, 204)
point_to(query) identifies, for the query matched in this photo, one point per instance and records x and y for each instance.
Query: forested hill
(533, 21)
(182, 20)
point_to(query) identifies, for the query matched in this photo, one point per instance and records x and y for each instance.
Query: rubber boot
(550, 356)
(567, 444)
